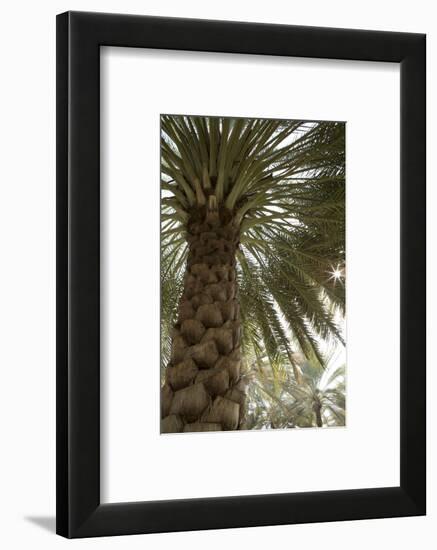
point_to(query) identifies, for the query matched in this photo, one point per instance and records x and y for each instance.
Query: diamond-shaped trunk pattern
(201, 387)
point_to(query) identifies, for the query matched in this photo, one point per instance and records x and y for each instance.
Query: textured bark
(203, 389)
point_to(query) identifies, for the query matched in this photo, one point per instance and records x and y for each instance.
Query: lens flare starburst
(336, 274)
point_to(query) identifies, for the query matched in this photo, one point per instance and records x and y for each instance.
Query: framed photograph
(240, 274)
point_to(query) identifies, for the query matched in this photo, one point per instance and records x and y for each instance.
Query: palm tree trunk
(203, 389)
(318, 413)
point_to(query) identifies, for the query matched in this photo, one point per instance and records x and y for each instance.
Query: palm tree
(318, 399)
(252, 241)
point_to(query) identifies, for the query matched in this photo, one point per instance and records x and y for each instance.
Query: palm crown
(281, 185)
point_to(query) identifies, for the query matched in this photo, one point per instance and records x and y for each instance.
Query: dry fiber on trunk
(203, 390)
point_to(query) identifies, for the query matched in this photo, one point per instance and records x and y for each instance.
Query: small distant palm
(317, 399)
(320, 399)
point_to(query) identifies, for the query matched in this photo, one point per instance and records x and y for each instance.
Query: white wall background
(27, 282)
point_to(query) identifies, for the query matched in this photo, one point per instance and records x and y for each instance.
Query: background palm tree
(317, 399)
(252, 256)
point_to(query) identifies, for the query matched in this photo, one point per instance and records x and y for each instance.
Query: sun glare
(336, 274)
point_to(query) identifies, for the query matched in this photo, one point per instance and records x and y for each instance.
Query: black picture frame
(79, 511)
